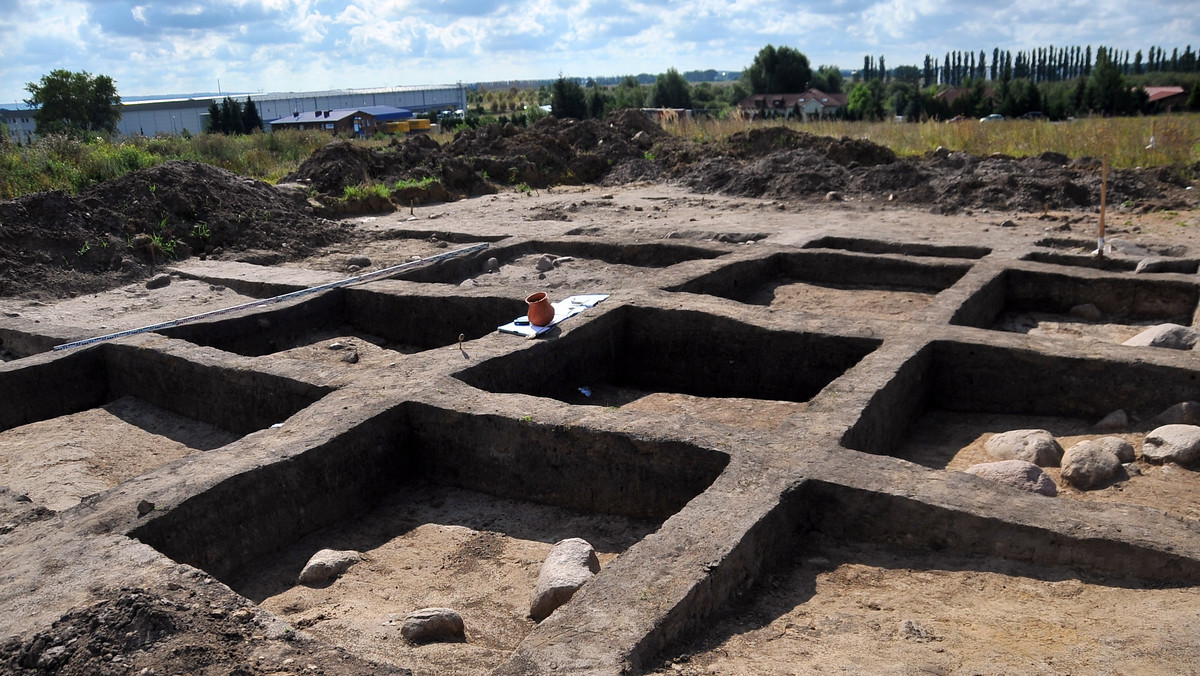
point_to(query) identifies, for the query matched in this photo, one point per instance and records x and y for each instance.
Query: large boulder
(1173, 443)
(1170, 336)
(1117, 421)
(327, 564)
(1036, 446)
(570, 564)
(433, 624)
(1092, 463)
(1183, 413)
(1016, 473)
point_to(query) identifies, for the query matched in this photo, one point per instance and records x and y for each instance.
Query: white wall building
(175, 115)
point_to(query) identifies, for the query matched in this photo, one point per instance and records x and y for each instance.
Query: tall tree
(828, 79)
(672, 91)
(568, 99)
(251, 120)
(74, 103)
(778, 71)
(215, 124)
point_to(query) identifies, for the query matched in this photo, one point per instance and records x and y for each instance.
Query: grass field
(1126, 141)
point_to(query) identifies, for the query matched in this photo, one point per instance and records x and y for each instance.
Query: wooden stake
(1103, 202)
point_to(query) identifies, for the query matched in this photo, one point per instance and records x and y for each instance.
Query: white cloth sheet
(563, 309)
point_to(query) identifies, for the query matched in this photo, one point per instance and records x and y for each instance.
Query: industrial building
(152, 117)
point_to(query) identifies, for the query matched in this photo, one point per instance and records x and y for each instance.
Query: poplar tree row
(1048, 64)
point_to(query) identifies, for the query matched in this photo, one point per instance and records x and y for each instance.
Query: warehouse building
(170, 116)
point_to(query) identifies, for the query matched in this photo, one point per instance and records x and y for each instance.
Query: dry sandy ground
(843, 607)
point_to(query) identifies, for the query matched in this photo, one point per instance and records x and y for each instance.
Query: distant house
(363, 121)
(1166, 98)
(811, 103)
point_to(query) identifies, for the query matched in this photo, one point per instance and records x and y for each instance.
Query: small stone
(563, 259)
(1170, 336)
(1016, 473)
(1117, 421)
(1172, 443)
(833, 196)
(360, 261)
(1091, 463)
(493, 264)
(336, 346)
(327, 564)
(243, 615)
(545, 263)
(570, 564)
(1087, 311)
(1183, 413)
(351, 357)
(1008, 223)
(433, 624)
(909, 629)
(1036, 446)
(145, 507)
(158, 281)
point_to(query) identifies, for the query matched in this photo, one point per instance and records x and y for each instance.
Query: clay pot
(541, 312)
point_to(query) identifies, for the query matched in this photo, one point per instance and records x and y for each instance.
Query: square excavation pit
(677, 361)
(449, 509)
(945, 402)
(839, 606)
(1078, 252)
(589, 256)
(93, 418)
(1040, 303)
(827, 282)
(374, 325)
(873, 246)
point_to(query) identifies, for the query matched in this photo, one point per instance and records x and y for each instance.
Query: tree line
(232, 117)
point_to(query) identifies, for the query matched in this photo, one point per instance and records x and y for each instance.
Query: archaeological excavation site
(806, 408)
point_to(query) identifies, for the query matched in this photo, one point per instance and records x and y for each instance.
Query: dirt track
(884, 559)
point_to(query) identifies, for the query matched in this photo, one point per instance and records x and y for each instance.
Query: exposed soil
(842, 606)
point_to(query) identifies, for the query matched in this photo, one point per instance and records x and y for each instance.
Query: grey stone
(433, 624)
(327, 564)
(570, 564)
(1173, 443)
(1164, 264)
(493, 264)
(1087, 311)
(833, 196)
(360, 261)
(158, 281)
(1117, 446)
(545, 263)
(1090, 463)
(1170, 336)
(643, 140)
(1117, 421)
(1036, 446)
(1016, 473)
(1183, 413)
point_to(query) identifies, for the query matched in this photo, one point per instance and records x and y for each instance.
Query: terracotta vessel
(541, 312)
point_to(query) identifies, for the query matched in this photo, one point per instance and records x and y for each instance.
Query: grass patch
(1123, 140)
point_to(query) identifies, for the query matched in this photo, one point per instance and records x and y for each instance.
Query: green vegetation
(232, 117)
(75, 104)
(362, 192)
(61, 162)
(1123, 140)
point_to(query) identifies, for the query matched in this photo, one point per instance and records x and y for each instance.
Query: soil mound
(844, 151)
(120, 230)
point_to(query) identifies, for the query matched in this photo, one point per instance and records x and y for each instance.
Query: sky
(153, 47)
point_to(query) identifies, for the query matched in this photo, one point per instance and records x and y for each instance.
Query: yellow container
(418, 124)
(395, 127)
